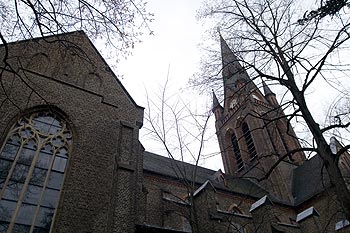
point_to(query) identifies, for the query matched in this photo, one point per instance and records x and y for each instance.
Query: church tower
(254, 134)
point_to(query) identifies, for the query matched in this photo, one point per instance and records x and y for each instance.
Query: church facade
(71, 161)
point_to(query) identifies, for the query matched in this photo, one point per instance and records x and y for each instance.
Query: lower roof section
(155, 229)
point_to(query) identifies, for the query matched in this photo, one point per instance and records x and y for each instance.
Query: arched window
(237, 152)
(248, 140)
(33, 160)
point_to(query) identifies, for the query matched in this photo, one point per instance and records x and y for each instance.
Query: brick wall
(103, 173)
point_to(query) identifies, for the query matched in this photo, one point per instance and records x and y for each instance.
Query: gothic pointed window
(249, 141)
(33, 160)
(237, 152)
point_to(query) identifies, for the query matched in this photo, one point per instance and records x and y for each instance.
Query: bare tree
(272, 45)
(118, 24)
(326, 8)
(173, 123)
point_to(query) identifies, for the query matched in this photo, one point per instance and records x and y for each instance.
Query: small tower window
(249, 141)
(237, 152)
(233, 103)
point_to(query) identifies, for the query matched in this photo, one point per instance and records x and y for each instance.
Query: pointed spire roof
(215, 101)
(267, 90)
(228, 57)
(232, 70)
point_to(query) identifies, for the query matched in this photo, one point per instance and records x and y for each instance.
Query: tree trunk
(324, 151)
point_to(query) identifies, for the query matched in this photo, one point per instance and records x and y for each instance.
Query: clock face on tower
(233, 103)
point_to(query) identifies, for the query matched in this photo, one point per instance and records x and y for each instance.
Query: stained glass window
(33, 160)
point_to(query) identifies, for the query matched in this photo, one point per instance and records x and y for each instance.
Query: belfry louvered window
(248, 140)
(33, 160)
(237, 152)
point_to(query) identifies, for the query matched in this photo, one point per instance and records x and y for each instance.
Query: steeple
(269, 95)
(232, 70)
(215, 102)
(249, 146)
(267, 90)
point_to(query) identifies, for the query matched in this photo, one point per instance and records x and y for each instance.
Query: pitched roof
(267, 90)
(173, 168)
(71, 38)
(309, 179)
(248, 187)
(202, 187)
(167, 167)
(265, 200)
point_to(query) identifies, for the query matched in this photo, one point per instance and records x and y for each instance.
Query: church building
(71, 160)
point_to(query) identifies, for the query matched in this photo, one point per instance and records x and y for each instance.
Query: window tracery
(33, 160)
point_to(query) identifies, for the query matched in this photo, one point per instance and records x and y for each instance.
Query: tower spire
(215, 102)
(269, 95)
(232, 70)
(267, 90)
(216, 108)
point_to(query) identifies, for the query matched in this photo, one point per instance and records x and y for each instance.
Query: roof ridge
(43, 37)
(175, 160)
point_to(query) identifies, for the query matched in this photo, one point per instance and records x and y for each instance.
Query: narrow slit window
(249, 141)
(237, 152)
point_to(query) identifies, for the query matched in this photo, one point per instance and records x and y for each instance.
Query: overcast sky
(175, 40)
(173, 47)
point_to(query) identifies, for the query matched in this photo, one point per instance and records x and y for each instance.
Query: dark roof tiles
(309, 179)
(178, 170)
